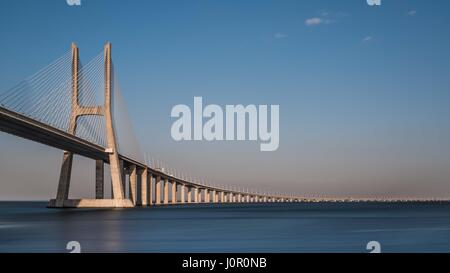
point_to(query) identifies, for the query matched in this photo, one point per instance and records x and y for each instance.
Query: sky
(364, 92)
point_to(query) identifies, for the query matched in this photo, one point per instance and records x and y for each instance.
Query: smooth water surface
(294, 227)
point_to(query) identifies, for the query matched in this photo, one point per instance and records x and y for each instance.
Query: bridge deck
(25, 127)
(22, 126)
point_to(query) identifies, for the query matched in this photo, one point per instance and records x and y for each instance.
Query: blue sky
(363, 91)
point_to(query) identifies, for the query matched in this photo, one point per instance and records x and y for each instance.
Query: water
(30, 227)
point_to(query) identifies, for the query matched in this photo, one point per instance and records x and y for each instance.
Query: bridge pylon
(116, 169)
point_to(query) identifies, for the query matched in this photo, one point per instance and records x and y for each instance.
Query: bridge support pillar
(196, 195)
(174, 192)
(133, 184)
(151, 190)
(183, 194)
(64, 179)
(207, 196)
(158, 190)
(214, 194)
(189, 194)
(166, 191)
(122, 176)
(99, 179)
(144, 187)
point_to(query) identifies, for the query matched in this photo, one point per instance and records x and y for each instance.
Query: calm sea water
(30, 227)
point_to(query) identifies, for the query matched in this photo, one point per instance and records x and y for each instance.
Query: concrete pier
(207, 196)
(214, 196)
(189, 194)
(158, 190)
(150, 189)
(183, 194)
(99, 179)
(174, 192)
(196, 195)
(133, 183)
(144, 187)
(166, 191)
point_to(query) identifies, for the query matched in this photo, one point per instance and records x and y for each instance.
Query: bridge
(61, 106)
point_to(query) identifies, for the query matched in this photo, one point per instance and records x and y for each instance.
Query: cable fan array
(46, 96)
(127, 141)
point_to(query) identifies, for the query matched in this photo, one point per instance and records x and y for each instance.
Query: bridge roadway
(28, 128)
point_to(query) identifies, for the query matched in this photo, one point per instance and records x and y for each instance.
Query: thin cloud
(412, 12)
(367, 39)
(325, 18)
(314, 21)
(280, 35)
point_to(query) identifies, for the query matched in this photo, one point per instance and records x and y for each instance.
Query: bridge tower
(78, 110)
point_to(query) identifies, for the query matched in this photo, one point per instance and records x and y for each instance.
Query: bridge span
(147, 185)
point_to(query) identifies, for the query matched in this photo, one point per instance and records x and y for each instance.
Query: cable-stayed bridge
(79, 109)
